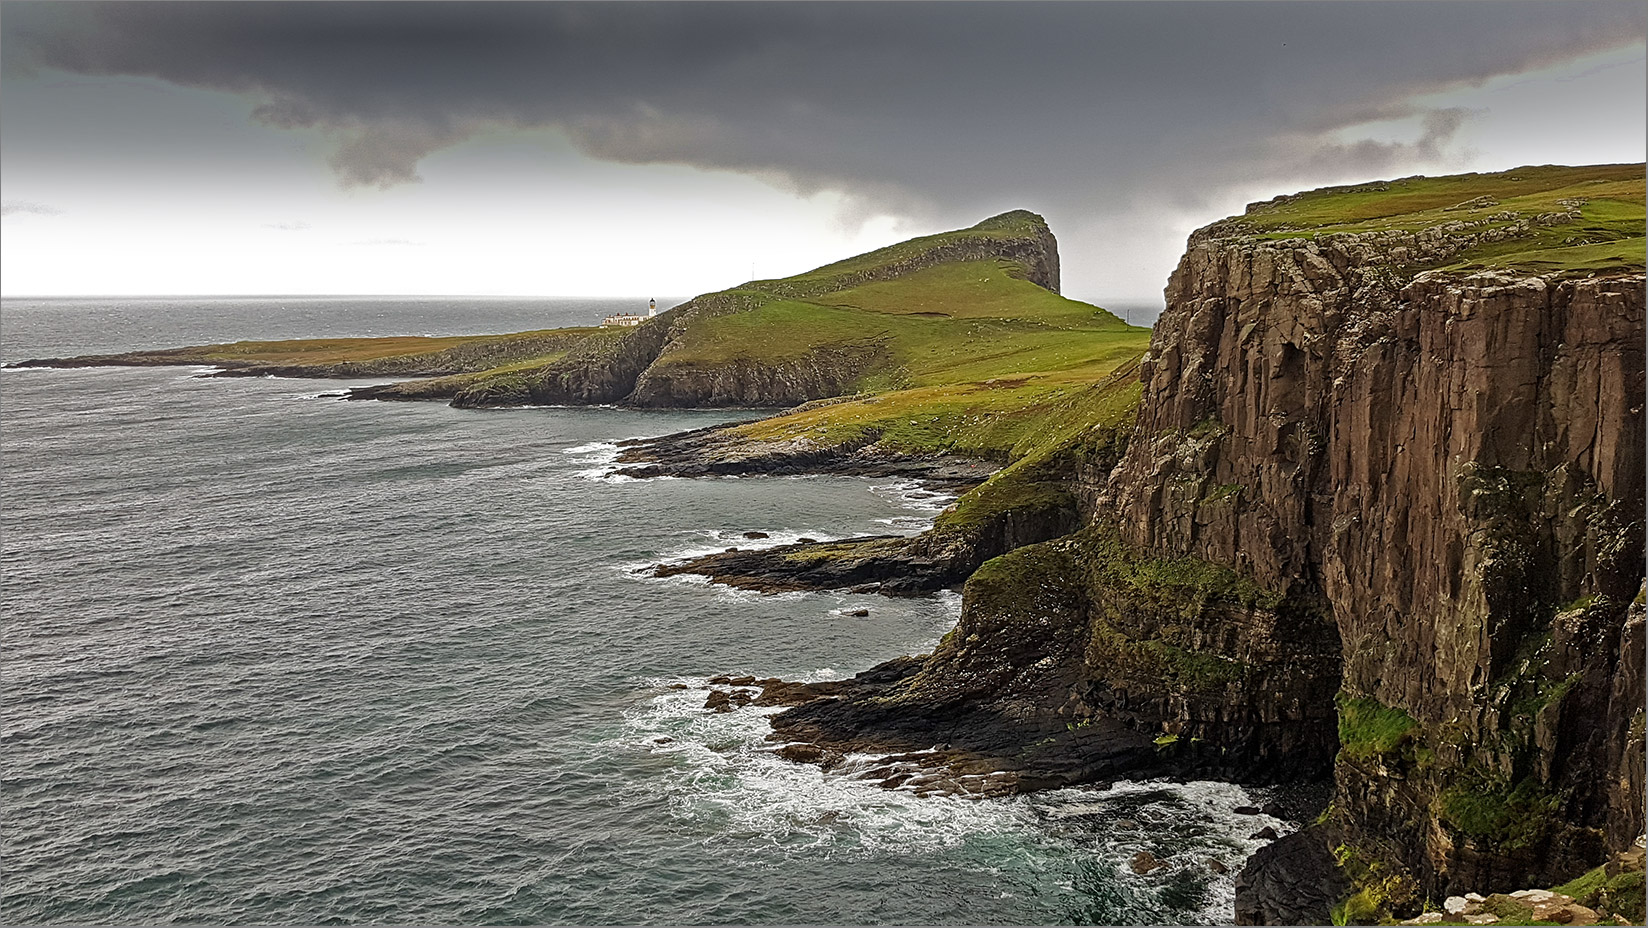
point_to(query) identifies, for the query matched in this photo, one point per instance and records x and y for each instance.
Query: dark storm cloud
(906, 105)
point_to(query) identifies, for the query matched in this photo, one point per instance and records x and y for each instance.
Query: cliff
(1380, 517)
(1450, 469)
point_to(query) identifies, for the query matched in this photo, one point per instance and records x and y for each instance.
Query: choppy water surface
(274, 657)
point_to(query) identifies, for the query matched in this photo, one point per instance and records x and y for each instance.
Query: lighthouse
(652, 308)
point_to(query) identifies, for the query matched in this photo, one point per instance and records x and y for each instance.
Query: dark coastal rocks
(718, 452)
(1291, 881)
(893, 565)
(727, 700)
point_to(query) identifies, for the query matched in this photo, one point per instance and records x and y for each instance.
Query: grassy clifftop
(1544, 219)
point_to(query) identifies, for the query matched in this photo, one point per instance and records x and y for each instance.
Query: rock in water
(1293, 881)
(1145, 862)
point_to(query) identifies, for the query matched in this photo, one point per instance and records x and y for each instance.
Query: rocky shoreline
(715, 451)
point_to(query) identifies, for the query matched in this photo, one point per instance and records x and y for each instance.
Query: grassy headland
(1556, 219)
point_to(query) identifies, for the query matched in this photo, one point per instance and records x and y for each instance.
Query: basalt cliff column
(1449, 467)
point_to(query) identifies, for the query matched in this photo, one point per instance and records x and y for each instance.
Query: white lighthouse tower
(652, 308)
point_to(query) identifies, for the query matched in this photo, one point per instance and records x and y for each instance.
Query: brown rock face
(1453, 467)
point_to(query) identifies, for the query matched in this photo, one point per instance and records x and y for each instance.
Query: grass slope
(1587, 219)
(949, 324)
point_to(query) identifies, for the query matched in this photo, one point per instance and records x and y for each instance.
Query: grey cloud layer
(25, 207)
(907, 105)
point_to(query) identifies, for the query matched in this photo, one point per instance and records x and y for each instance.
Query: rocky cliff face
(1449, 470)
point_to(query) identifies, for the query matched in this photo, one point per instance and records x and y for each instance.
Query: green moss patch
(1369, 729)
(1487, 808)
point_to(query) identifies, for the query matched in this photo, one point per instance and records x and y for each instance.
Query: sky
(634, 148)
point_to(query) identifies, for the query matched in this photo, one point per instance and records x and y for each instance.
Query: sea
(273, 657)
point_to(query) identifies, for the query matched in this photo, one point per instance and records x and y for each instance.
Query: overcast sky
(638, 148)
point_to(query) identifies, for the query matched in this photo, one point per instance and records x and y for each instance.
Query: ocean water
(272, 657)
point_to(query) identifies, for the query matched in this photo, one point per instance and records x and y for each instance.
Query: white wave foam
(715, 541)
(603, 455)
(727, 776)
(594, 447)
(726, 779)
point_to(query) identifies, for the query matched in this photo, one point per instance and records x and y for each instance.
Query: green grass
(1621, 894)
(958, 323)
(328, 350)
(1607, 235)
(343, 350)
(1584, 886)
(1002, 418)
(1368, 728)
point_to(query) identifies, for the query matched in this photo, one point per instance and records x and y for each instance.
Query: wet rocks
(1145, 862)
(1292, 881)
(725, 452)
(891, 565)
(728, 700)
(811, 754)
